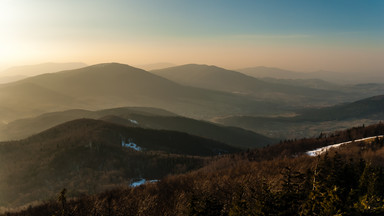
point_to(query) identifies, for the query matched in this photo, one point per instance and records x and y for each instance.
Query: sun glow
(136, 32)
(5, 12)
(10, 17)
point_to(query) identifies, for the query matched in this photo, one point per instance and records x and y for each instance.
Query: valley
(191, 108)
(309, 122)
(97, 128)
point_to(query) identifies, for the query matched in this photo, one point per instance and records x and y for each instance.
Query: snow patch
(131, 145)
(322, 150)
(138, 183)
(133, 121)
(141, 182)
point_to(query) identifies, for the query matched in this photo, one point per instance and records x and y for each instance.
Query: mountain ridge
(87, 156)
(109, 85)
(329, 76)
(312, 121)
(144, 117)
(220, 79)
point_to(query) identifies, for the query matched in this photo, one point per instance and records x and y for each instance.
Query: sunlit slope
(115, 85)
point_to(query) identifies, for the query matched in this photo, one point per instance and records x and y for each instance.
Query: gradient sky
(302, 35)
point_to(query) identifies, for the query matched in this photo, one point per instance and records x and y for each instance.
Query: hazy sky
(303, 35)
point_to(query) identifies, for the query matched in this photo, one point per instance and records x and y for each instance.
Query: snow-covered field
(322, 150)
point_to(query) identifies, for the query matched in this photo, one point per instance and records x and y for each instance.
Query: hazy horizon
(215, 107)
(304, 36)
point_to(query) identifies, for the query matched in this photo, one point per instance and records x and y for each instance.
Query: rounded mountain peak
(113, 65)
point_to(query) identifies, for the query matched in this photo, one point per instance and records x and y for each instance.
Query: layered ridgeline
(355, 91)
(215, 78)
(329, 76)
(372, 108)
(24, 127)
(310, 122)
(116, 85)
(211, 92)
(276, 180)
(87, 156)
(143, 117)
(356, 85)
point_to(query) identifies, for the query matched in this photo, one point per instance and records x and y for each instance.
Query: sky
(301, 35)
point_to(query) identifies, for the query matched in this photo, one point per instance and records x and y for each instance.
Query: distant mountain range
(116, 85)
(197, 91)
(293, 92)
(220, 79)
(271, 72)
(372, 108)
(311, 122)
(309, 83)
(334, 77)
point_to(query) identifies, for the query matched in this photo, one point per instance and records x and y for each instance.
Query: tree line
(345, 181)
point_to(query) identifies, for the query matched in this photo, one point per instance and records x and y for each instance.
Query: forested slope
(345, 181)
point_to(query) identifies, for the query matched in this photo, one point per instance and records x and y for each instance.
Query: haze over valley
(191, 108)
(227, 107)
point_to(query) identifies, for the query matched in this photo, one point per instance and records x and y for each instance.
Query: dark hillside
(23, 128)
(95, 131)
(143, 117)
(346, 182)
(288, 148)
(232, 136)
(88, 156)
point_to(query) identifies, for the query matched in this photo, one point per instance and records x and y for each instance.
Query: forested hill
(144, 117)
(344, 181)
(372, 107)
(287, 148)
(89, 156)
